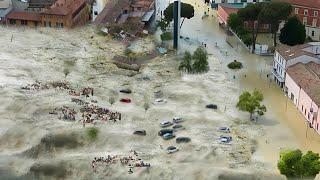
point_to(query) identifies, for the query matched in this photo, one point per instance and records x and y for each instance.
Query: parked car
(125, 100)
(183, 140)
(126, 91)
(168, 136)
(160, 101)
(172, 149)
(140, 132)
(165, 131)
(177, 127)
(177, 119)
(225, 139)
(212, 106)
(224, 129)
(166, 124)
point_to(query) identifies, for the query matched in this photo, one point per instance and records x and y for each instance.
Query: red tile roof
(29, 16)
(307, 76)
(65, 7)
(306, 3)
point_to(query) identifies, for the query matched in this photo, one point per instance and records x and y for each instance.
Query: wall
(293, 88)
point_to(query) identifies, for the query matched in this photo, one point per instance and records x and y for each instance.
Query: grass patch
(235, 65)
(92, 133)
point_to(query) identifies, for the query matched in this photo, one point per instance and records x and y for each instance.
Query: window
(314, 22)
(49, 24)
(312, 33)
(292, 97)
(302, 107)
(24, 22)
(45, 23)
(315, 13)
(12, 21)
(61, 25)
(305, 12)
(305, 20)
(296, 10)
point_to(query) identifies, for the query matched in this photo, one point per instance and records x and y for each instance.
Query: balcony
(278, 76)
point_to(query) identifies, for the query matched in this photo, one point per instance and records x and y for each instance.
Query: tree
(251, 14)
(274, 13)
(66, 72)
(234, 22)
(200, 57)
(92, 133)
(293, 164)
(251, 103)
(187, 11)
(293, 32)
(163, 24)
(185, 65)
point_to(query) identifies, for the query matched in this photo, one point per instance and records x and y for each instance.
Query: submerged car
(177, 119)
(225, 139)
(126, 91)
(168, 136)
(212, 106)
(140, 132)
(183, 140)
(166, 124)
(160, 101)
(165, 131)
(172, 149)
(224, 129)
(178, 127)
(125, 100)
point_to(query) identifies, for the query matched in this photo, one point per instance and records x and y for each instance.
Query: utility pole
(176, 23)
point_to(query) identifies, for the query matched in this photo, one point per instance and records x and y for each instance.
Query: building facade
(308, 12)
(5, 8)
(302, 84)
(286, 56)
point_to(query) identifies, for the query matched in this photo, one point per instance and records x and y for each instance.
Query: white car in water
(160, 101)
(177, 120)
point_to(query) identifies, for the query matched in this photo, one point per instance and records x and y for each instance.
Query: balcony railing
(278, 76)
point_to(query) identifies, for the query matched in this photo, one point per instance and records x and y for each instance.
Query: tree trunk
(250, 116)
(275, 38)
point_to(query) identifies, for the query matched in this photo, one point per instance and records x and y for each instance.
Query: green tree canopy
(196, 63)
(293, 164)
(251, 103)
(293, 32)
(251, 14)
(187, 11)
(200, 57)
(274, 13)
(234, 22)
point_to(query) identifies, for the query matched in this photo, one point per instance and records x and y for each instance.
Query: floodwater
(284, 126)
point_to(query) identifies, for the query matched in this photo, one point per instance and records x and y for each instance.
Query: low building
(120, 11)
(61, 14)
(30, 19)
(303, 88)
(286, 56)
(5, 8)
(66, 13)
(308, 12)
(225, 9)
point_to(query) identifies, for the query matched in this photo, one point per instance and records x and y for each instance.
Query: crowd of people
(132, 161)
(65, 113)
(92, 112)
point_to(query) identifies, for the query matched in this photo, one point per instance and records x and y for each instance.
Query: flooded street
(284, 127)
(35, 143)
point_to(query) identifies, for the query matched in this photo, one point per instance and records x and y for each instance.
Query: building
(237, 1)
(302, 85)
(66, 13)
(286, 56)
(121, 11)
(225, 9)
(5, 8)
(30, 19)
(60, 14)
(308, 12)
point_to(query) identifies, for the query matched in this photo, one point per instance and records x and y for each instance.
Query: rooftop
(291, 52)
(231, 7)
(65, 7)
(306, 3)
(30, 16)
(307, 76)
